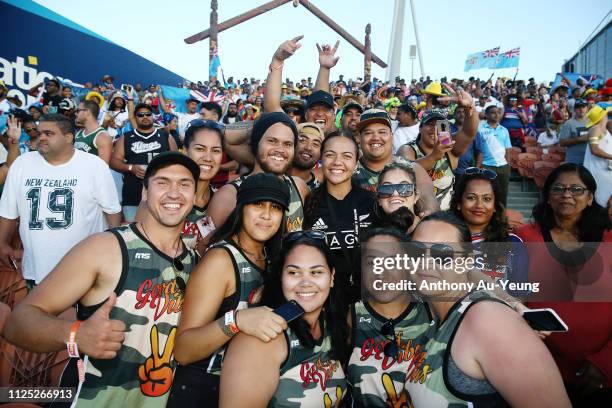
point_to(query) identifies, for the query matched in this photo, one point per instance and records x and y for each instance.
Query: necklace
(177, 265)
(265, 255)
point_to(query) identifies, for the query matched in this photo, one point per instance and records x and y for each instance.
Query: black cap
(320, 97)
(191, 99)
(580, 102)
(352, 104)
(432, 114)
(373, 116)
(169, 158)
(263, 187)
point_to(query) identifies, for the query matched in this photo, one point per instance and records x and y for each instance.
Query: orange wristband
(71, 345)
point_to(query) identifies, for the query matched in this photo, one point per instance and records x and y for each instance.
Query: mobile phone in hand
(545, 320)
(443, 127)
(289, 311)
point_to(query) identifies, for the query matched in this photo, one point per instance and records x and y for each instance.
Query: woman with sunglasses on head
(574, 233)
(388, 328)
(397, 195)
(226, 282)
(480, 352)
(204, 144)
(340, 209)
(303, 366)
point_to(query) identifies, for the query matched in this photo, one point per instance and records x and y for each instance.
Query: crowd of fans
(178, 230)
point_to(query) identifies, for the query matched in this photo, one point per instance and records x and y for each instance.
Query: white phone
(545, 320)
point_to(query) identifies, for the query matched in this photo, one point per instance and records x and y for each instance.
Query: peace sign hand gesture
(459, 96)
(327, 55)
(287, 49)
(156, 373)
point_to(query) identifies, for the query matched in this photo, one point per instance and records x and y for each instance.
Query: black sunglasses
(490, 174)
(143, 114)
(312, 234)
(387, 190)
(440, 252)
(206, 124)
(388, 330)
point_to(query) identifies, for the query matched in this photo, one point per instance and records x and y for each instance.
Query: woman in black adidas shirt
(340, 209)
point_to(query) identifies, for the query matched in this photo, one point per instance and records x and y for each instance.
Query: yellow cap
(434, 88)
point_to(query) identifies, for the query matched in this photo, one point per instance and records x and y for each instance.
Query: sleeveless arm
(222, 204)
(251, 371)
(117, 162)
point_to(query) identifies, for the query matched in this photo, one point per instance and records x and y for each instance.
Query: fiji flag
(215, 67)
(509, 59)
(484, 59)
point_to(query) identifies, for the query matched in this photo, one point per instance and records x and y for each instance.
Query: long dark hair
(594, 220)
(497, 229)
(317, 196)
(334, 311)
(233, 225)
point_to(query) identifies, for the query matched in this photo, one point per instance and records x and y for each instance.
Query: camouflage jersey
(149, 302)
(365, 177)
(376, 379)
(442, 176)
(433, 390)
(249, 283)
(295, 213)
(191, 233)
(87, 142)
(309, 377)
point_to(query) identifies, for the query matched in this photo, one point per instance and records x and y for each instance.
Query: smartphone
(205, 226)
(126, 88)
(544, 319)
(289, 311)
(444, 135)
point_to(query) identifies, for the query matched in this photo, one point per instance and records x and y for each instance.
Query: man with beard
(307, 154)
(273, 141)
(57, 196)
(133, 152)
(129, 285)
(350, 116)
(232, 114)
(376, 142)
(92, 138)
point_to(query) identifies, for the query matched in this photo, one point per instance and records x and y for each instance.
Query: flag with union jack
(509, 59)
(483, 59)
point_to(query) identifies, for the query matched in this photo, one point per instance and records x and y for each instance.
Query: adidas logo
(319, 224)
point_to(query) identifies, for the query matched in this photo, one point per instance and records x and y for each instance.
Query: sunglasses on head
(387, 190)
(391, 349)
(143, 114)
(206, 124)
(312, 234)
(490, 174)
(440, 252)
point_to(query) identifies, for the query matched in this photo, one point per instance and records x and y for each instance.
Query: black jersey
(140, 148)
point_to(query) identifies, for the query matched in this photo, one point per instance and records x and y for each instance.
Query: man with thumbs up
(128, 284)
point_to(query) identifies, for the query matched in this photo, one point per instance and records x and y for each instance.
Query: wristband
(230, 321)
(73, 350)
(130, 167)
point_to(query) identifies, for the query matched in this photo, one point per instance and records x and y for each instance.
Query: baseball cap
(169, 158)
(373, 116)
(263, 187)
(352, 104)
(320, 97)
(432, 114)
(579, 102)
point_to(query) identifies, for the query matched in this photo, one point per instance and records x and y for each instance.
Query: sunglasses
(575, 191)
(391, 349)
(206, 124)
(312, 234)
(28, 130)
(142, 114)
(439, 252)
(387, 190)
(490, 174)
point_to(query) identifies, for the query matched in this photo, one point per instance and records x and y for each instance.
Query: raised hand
(156, 373)
(459, 96)
(99, 336)
(287, 49)
(14, 129)
(327, 55)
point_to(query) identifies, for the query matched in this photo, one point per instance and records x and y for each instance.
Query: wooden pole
(213, 43)
(367, 56)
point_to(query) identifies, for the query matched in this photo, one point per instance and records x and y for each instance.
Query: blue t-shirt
(468, 158)
(495, 141)
(511, 119)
